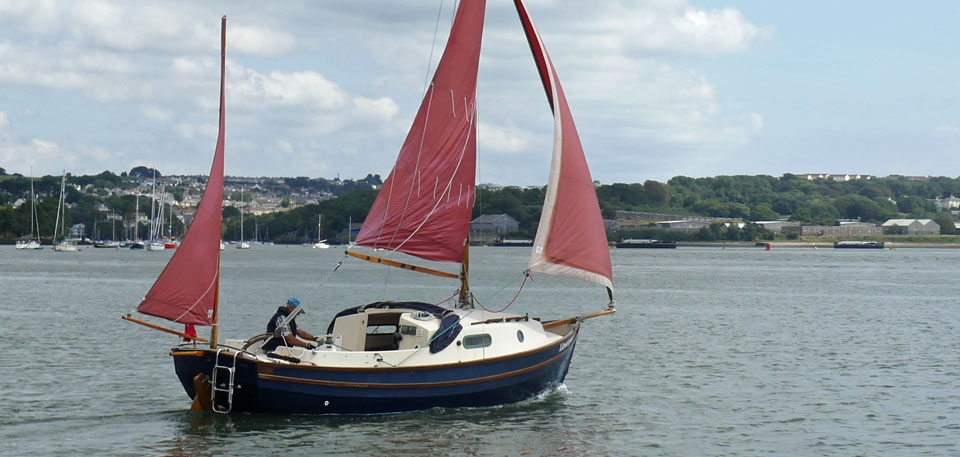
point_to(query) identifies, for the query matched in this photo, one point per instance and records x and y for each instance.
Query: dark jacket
(275, 320)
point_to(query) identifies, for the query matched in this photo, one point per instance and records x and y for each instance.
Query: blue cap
(294, 302)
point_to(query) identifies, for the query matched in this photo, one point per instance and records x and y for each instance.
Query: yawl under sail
(432, 356)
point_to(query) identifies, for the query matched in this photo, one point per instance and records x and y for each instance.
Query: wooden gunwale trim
(497, 320)
(267, 367)
(187, 353)
(418, 385)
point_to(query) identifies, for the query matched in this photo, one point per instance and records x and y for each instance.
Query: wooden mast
(215, 326)
(466, 300)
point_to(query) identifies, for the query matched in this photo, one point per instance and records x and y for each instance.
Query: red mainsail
(571, 240)
(187, 289)
(425, 205)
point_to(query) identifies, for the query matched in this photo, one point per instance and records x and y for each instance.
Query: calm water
(712, 352)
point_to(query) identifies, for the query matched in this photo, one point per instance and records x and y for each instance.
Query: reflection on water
(711, 352)
(462, 431)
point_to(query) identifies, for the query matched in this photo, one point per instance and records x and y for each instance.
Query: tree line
(750, 198)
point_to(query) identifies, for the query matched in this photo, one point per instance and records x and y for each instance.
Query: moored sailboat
(321, 243)
(242, 244)
(400, 355)
(29, 243)
(64, 244)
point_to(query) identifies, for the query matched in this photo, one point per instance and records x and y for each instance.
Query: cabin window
(520, 335)
(381, 329)
(477, 341)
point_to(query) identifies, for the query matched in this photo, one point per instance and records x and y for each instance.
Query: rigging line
(326, 279)
(446, 190)
(204, 294)
(526, 275)
(433, 45)
(447, 299)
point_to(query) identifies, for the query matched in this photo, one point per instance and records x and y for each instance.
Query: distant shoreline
(814, 244)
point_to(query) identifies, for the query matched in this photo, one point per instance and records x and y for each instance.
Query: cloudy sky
(658, 88)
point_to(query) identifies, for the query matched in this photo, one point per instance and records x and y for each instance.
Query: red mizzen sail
(425, 205)
(187, 289)
(571, 240)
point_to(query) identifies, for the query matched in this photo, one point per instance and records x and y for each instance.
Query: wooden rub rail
(405, 266)
(505, 319)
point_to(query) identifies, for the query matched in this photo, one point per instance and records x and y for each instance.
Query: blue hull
(283, 388)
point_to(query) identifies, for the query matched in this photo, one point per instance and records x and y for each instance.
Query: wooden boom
(163, 329)
(574, 319)
(405, 266)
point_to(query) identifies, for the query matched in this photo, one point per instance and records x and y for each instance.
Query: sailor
(287, 334)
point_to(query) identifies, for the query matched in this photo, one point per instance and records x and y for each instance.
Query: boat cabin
(384, 330)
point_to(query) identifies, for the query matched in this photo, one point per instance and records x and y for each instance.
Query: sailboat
(155, 243)
(396, 356)
(29, 243)
(320, 244)
(60, 226)
(242, 244)
(350, 242)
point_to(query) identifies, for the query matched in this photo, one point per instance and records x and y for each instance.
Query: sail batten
(571, 240)
(441, 145)
(186, 291)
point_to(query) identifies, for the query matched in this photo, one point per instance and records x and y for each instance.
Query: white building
(911, 227)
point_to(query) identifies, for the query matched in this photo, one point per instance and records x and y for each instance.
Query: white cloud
(756, 121)
(353, 84)
(502, 139)
(37, 154)
(306, 88)
(4, 123)
(260, 41)
(155, 113)
(947, 131)
(96, 153)
(380, 109)
(208, 130)
(185, 131)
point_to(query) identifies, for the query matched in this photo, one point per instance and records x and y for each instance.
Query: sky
(658, 88)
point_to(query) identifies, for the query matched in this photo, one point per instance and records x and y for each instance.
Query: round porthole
(520, 335)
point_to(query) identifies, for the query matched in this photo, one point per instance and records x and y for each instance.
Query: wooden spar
(163, 329)
(574, 319)
(405, 266)
(215, 327)
(464, 276)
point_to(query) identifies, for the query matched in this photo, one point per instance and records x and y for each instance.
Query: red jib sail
(425, 205)
(571, 240)
(186, 291)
